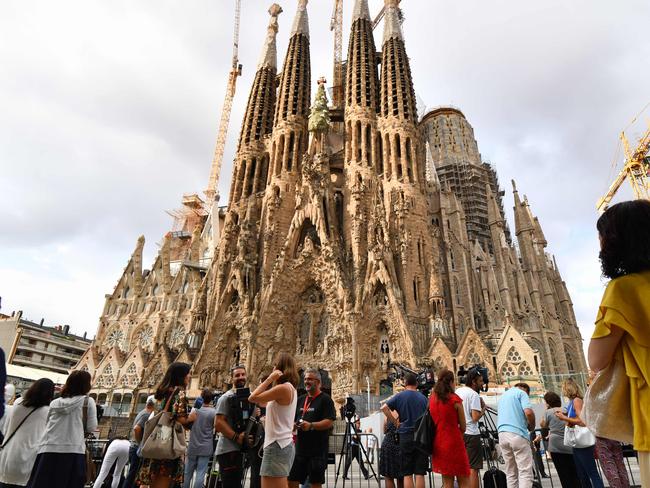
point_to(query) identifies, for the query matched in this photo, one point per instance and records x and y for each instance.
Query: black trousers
(566, 469)
(231, 468)
(354, 453)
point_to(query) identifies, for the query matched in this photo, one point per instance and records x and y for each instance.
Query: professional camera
(349, 408)
(240, 409)
(425, 378)
(463, 374)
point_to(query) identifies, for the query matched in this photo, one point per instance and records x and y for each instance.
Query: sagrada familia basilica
(356, 236)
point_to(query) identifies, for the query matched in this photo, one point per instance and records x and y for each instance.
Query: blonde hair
(570, 389)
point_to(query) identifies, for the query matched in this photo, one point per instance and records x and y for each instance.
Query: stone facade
(342, 244)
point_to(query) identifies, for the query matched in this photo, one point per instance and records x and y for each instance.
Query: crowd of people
(283, 437)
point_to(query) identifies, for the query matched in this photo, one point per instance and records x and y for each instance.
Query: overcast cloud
(109, 110)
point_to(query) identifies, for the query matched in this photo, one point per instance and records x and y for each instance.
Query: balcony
(42, 364)
(43, 335)
(23, 346)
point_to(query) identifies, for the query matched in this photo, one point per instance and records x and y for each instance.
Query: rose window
(176, 337)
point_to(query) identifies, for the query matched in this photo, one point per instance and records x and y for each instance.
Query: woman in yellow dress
(623, 321)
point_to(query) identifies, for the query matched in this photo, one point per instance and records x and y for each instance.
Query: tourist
(315, 416)
(561, 455)
(354, 450)
(280, 401)
(201, 445)
(582, 456)
(623, 322)
(230, 424)
(371, 445)
(116, 457)
(9, 394)
(165, 473)
(449, 456)
(515, 420)
(136, 437)
(389, 456)
(410, 404)
(24, 431)
(474, 408)
(610, 455)
(61, 459)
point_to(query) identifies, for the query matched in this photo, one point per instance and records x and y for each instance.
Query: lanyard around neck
(308, 401)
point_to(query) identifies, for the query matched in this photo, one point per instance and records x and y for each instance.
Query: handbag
(163, 437)
(91, 467)
(577, 436)
(425, 433)
(607, 409)
(7, 439)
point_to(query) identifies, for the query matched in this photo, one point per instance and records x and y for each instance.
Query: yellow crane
(636, 170)
(212, 192)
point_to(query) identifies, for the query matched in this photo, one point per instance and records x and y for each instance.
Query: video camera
(425, 378)
(349, 408)
(463, 375)
(240, 409)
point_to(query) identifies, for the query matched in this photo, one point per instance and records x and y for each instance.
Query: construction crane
(212, 192)
(336, 26)
(636, 170)
(381, 14)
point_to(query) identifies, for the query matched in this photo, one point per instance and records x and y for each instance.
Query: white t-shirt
(471, 401)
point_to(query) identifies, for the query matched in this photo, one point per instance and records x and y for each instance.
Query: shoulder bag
(91, 468)
(425, 433)
(163, 437)
(578, 436)
(16, 429)
(607, 409)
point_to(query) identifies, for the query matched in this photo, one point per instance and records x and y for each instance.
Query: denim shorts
(277, 461)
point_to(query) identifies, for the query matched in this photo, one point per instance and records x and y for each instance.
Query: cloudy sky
(109, 110)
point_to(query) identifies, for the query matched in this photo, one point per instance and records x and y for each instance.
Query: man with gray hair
(315, 415)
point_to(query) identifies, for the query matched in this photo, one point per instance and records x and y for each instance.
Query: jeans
(118, 454)
(197, 465)
(586, 467)
(518, 455)
(134, 466)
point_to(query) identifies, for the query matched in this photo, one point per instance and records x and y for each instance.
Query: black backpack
(425, 432)
(494, 478)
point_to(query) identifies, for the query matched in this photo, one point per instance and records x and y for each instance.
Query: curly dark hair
(443, 386)
(624, 231)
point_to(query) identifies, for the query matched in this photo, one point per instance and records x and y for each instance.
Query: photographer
(315, 415)
(233, 410)
(474, 408)
(410, 404)
(355, 451)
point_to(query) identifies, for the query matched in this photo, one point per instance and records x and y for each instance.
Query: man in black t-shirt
(315, 415)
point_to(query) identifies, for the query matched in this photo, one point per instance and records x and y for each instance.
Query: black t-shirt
(314, 442)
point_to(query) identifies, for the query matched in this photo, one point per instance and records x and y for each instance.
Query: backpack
(425, 433)
(494, 478)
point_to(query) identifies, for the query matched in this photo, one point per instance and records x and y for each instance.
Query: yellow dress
(626, 304)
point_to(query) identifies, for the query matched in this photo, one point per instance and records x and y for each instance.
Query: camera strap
(308, 401)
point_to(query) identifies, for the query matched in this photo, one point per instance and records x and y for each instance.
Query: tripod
(345, 454)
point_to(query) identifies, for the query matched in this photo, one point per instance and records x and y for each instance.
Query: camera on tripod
(349, 408)
(240, 411)
(463, 375)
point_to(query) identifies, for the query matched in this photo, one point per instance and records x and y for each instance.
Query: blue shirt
(511, 412)
(410, 405)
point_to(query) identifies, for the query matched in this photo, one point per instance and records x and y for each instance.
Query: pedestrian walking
(410, 404)
(371, 445)
(280, 401)
(136, 437)
(116, 457)
(584, 457)
(474, 409)
(315, 415)
(449, 456)
(165, 473)
(24, 428)
(201, 446)
(623, 321)
(389, 455)
(515, 420)
(561, 455)
(61, 459)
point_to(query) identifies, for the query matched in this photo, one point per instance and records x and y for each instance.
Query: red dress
(449, 456)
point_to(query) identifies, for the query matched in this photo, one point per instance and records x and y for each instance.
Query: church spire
(362, 81)
(251, 165)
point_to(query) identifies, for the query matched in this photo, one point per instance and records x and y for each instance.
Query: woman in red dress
(449, 456)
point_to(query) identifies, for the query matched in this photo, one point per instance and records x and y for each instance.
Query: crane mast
(336, 25)
(212, 192)
(636, 170)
